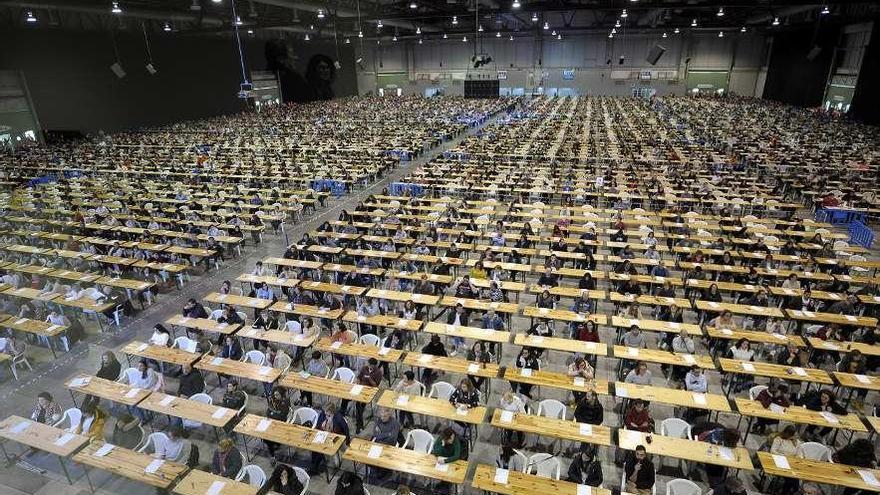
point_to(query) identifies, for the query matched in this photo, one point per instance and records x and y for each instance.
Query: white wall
(533, 61)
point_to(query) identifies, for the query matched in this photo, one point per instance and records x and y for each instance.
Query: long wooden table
(328, 387)
(105, 389)
(557, 428)
(798, 414)
(130, 464)
(820, 471)
(41, 437)
(486, 478)
(248, 371)
(198, 482)
(676, 397)
(191, 410)
(404, 460)
(431, 407)
(171, 355)
(682, 448)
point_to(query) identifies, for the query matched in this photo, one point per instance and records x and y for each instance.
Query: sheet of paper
(579, 381)
(166, 401)
(633, 323)
(142, 347)
(622, 392)
(781, 462)
(632, 351)
(525, 372)
(713, 304)
(689, 359)
(700, 399)
(586, 429)
(799, 371)
(748, 367)
(501, 476)
(726, 453)
(441, 467)
(154, 466)
(544, 311)
(336, 345)
(21, 321)
(132, 393)
(506, 416)
(361, 318)
(320, 437)
(216, 487)
(375, 452)
(356, 390)
(402, 400)
(219, 413)
(104, 450)
(727, 331)
(537, 339)
(217, 361)
(863, 379)
(831, 418)
(779, 336)
(584, 490)
(674, 325)
(850, 318)
(425, 358)
(52, 328)
(473, 368)
(868, 477)
(20, 427)
(383, 351)
(777, 408)
(403, 322)
(264, 424)
(265, 370)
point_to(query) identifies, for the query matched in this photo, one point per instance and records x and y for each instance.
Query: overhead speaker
(814, 52)
(655, 54)
(151, 69)
(118, 70)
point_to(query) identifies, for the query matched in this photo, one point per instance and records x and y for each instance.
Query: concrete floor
(39, 475)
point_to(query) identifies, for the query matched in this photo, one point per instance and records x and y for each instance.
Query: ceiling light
(115, 8)
(498, 34)
(664, 34)
(167, 27)
(238, 21)
(320, 14)
(31, 18)
(534, 17)
(480, 28)
(559, 36)
(464, 38)
(454, 19)
(445, 36)
(511, 37)
(775, 21)
(216, 1)
(418, 30)
(347, 41)
(379, 24)
(394, 38)
(610, 35)
(720, 12)
(617, 23)
(742, 29)
(360, 34)
(515, 4)
(825, 10)
(307, 37)
(546, 25)
(624, 15)
(676, 31)
(613, 30)
(250, 31)
(553, 33)
(413, 5)
(420, 41)
(694, 23)
(720, 34)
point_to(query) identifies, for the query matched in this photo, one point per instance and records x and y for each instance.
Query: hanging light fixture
(825, 10)
(347, 41)
(31, 18)
(553, 33)
(775, 21)
(320, 14)
(693, 23)
(307, 37)
(720, 34)
(419, 30)
(480, 28)
(454, 20)
(394, 38)
(166, 27)
(720, 12)
(534, 17)
(445, 36)
(624, 15)
(546, 25)
(498, 34)
(516, 4)
(613, 30)
(742, 29)
(511, 38)
(464, 38)
(238, 21)
(379, 24)
(413, 5)
(664, 34)
(250, 32)
(420, 41)
(676, 31)
(360, 34)
(617, 23)
(610, 35)
(115, 8)
(559, 36)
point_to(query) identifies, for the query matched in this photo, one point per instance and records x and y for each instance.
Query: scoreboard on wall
(484, 88)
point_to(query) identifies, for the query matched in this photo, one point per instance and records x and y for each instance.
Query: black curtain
(799, 65)
(866, 100)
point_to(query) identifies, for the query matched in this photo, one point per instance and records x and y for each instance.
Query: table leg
(6, 454)
(64, 468)
(91, 486)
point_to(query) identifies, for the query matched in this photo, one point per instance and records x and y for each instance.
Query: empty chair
(814, 451)
(552, 408)
(680, 486)
(675, 427)
(185, 343)
(293, 326)
(254, 356)
(303, 478)
(441, 390)
(370, 339)
(304, 416)
(155, 442)
(419, 440)
(282, 362)
(544, 465)
(343, 374)
(129, 375)
(18, 359)
(255, 475)
(204, 399)
(216, 314)
(72, 417)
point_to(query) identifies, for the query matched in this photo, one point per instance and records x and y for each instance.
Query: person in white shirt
(683, 343)
(259, 271)
(160, 336)
(695, 380)
(145, 378)
(176, 448)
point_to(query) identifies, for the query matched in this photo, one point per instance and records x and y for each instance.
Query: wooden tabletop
(798, 414)
(480, 305)
(198, 482)
(432, 407)
(278, 336)
(365, 351)
(561, 344)
(28, 293)
(677, 397)
(862, 321)
(452, 365)
(476, 333)
(161, 353)
(664, 357)
(690, 450)
(400, 296)
(349, 290)
(383, 321)
(35, 327)
(203, 324)
(563, 315)
(233, 300)
(130, 464)
(106, 389)
(306, 310)
(753, 336)
(248, 371)
(868, 382)
(743, 309)
(838, 346)
(819, 471)
(555, 379)
(529, 484)
(192, 410)
(40, 436)
(293, 435)
(326, 386)
(278, 282)
(557, 428)
(404, 460)
(775, 371)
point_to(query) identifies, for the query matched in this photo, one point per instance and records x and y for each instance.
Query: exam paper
(501, 476)
(154, 466)
(104, 450)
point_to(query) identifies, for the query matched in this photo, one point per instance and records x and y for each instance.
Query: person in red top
(830, 200)
(638, 417)
(776, 394)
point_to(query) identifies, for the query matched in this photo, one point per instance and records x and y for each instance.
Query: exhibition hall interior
(439, 247)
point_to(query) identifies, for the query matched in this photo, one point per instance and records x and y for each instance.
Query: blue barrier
(337, 187)
(406, 189)
(860, 234)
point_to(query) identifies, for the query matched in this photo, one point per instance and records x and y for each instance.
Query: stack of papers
(165, 402)
(586, 429)
(356, 390)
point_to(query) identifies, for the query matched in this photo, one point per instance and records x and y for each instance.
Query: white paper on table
(830, 417)
(622, 392)
(219, 413)
(216, 488)
(441, 467)
(868, 477)
(830, 345)
(748, 367)
(779, 336)
(727, 331)
(537, 339)
(473, 368)
(79, 382)
(403, 322)
(20, 427)
(543, 311)
(104, 450)
(799, 371)
(809, 314)
(217, 361)
(346, 288)
(184, 320)
(154, 466)
(375, 452)
(506, 416)
(402, 400)
(579, 381)
(633, 323)
(425, 358)
(221, 297)
(63, 439)
(689, 359)
(726, 453)
(320, 437)
(132, 393)
(632, 351)
(850, 317)
(383, 351)
(584, 490)
(781, 461)
(700, 399)
(52, 328)
(674, 324)
(142, 347)
(586, 429)
(336, 345)
(525, 372)
(501, 476)
(863, 379)
(356, 390)
(713, 304)
(361, 318)
(20, 321)
(167, 401)
(304, 374)
(776, 408)
(265, 370)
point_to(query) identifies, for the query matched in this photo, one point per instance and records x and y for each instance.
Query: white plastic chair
(343, 374)
(814, 451)
(128, 375)
(370, 339)
(185, 343)
(256, 477)
(552, 408)
(156, 440)
(680, 486)
(73, 416)
(441, 390)
(419, 440)
(545, 465)
(756, 390)
(676, 428)
(282, 362)
(204, 399)
(254, 356)
(303, 415)
(303, 478)
(18, 359)
(216, 314)
(293, 326)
